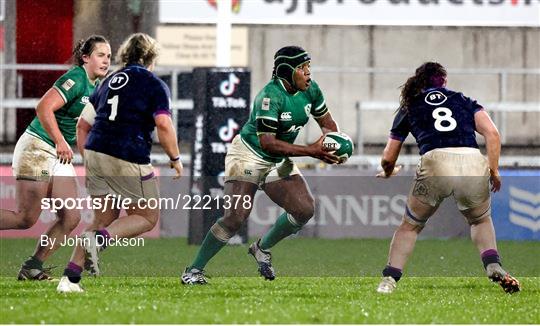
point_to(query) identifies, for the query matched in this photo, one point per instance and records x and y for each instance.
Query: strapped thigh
(418, 212)
(478, 213)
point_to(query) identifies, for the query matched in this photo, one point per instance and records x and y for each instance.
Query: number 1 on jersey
(114, 107)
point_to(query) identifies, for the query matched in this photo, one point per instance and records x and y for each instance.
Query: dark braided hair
(85, 47)
(429, 74)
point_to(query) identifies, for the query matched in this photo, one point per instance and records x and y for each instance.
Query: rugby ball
(340, 144)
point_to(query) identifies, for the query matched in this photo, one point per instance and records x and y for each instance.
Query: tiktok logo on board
(227, 87)
(227, 132)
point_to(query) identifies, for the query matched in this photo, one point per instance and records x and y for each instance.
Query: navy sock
(33, 262)
(395, 273)
(490, 256)
(73, 272)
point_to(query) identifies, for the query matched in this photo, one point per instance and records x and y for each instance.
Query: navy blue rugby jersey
(126, 105)
(438, 118)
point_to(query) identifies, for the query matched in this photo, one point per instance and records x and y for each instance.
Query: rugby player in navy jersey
(117, 137)
(444, 122)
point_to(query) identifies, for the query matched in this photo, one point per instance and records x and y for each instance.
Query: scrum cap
(287, 59)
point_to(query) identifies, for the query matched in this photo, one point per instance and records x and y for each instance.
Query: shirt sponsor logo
(294, 128)
(68, 84)
(285, 116)
(265, 104)
(118, 81)
(435, 98)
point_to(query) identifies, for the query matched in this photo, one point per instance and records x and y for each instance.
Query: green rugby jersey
(75, 88)
(290, 111)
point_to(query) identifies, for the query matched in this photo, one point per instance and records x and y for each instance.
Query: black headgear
(287, 59)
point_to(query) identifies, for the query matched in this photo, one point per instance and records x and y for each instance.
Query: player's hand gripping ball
(340, 144)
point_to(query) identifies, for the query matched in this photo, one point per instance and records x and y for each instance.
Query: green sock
(210, 246)
(33, 262)
(280, 230)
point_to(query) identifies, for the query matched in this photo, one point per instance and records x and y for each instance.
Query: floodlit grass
(319, 281)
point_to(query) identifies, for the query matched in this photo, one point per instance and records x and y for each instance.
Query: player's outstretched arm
(486, 127)
(389, 158)
(272, 145)
(167, 138)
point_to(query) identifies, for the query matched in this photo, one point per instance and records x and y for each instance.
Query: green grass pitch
(319, 281)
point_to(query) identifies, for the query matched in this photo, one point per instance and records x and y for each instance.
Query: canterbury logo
(285, 116)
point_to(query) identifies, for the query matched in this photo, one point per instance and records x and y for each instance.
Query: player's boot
(497, 274)
(91, 259)
(388, 285)
(264, 260)
(192, 276)
(66, 286)
(35, 274)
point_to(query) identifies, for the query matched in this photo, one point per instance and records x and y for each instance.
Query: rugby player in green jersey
(260, 158)
(42, 157)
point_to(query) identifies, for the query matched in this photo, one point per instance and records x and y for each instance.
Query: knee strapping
(413, 219)
(221, 232)
(297, 225)
(477, 214)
